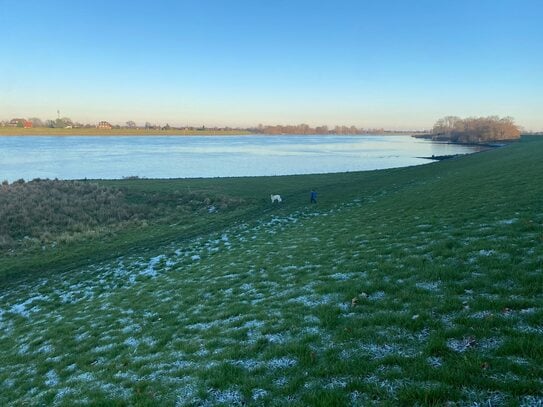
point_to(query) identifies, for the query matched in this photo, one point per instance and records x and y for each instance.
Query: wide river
(78, 157)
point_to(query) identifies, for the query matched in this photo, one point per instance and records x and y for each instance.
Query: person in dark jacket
(313, 196)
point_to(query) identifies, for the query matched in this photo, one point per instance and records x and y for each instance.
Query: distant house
(20, 123)
(104, 125)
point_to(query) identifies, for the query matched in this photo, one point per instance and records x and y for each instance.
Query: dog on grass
(276, 198)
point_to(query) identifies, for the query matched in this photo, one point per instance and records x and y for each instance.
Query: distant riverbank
(82, 131)
(93, 131)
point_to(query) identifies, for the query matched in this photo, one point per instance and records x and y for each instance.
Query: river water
(79, 157)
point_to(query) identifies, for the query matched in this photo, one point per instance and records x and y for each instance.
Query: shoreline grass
(409, 286)
(45, 131)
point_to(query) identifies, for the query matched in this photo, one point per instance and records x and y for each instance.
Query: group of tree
(475, 129)
(306, 129)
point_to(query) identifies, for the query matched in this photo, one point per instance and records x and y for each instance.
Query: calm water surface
(78, 157)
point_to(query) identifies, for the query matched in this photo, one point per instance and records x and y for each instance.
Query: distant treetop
(475, 129)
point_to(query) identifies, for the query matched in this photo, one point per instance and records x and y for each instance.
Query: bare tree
(36, 122)
(476, 129)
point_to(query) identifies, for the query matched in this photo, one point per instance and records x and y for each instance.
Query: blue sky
(390, 63)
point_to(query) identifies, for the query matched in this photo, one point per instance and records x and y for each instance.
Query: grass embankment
(46, 131)
(53, 225)
(410, 286)
(61, 225)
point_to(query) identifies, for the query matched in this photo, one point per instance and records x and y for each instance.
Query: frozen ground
(276, 312)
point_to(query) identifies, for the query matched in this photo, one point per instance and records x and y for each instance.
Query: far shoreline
(44, 131)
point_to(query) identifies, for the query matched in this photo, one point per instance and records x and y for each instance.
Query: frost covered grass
(421, 286)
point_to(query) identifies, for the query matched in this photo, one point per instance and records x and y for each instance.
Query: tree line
(475, 129)
(306, 129)
(66, 122)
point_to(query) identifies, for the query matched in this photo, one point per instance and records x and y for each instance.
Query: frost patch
(389, 386)
(482, 314)
(131, 342)
(46, 348)
(253, 324)
(430, 286)
(104, 348)
(83, 377)
(278, 338)
(342, 276)
(531, 401)
(23, 349)
(434, 361)
(280, 382)
(22, 308)
(376, 351)
(378, 295)
(336, 383)
(248, 364)
(131, 329)
(313, 301)
(82, 336)
(311, 330)
(150, 270)
(62, 393)
(461, 345)
(51, 378)
(259, 394)
(186, 395)
(208, 325)
(282, 363)
(229, 397)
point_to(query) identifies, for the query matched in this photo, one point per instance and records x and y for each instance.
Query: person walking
(313, 196)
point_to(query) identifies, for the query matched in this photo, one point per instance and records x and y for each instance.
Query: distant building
(104, 125)
(20, 123)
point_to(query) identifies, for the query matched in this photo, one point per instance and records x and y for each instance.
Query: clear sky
(391, 63)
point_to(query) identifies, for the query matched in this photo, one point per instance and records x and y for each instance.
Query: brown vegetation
(306, 129)
(52, 211)
(475, 129)
(42, 210)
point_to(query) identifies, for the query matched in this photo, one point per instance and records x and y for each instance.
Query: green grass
(411, 286)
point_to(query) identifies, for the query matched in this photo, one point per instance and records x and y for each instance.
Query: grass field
(411, 286)
(46, 131)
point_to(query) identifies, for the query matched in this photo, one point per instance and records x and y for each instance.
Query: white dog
(276, 198)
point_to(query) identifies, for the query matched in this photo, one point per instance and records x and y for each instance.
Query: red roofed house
(20, 123)
(104, 125)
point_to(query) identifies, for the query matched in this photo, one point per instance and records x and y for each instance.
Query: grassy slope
(414, 285)
(255, 191)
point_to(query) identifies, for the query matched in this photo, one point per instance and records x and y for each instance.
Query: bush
(42, 209)
(45, 211)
